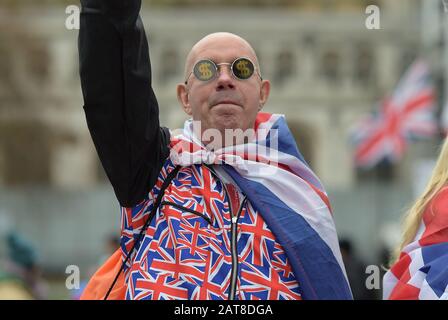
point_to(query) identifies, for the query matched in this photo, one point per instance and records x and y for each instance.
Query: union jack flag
(406, 115)
(421, 271)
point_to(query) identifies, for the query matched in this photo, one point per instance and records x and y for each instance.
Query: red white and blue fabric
(287, 243)
(421, 272)
(407, 115)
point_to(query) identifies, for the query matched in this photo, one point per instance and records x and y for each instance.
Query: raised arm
(120, 106)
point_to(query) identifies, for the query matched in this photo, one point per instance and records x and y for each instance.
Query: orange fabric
(101, 281)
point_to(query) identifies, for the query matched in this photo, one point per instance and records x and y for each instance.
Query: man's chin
(226, 117)
(228, 123)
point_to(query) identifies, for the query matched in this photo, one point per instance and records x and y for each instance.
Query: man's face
(224, 102)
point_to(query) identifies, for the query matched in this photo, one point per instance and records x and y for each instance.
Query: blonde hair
(413, 217)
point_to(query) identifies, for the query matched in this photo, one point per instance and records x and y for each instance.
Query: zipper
(233, 237)
(178, 206)
(234, 249)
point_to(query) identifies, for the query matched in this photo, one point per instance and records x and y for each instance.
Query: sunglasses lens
(243, 68)
(204, 70)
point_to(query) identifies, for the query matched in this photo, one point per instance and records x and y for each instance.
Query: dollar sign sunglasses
(241, 68)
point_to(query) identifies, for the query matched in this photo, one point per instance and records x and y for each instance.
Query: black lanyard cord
(165, 185)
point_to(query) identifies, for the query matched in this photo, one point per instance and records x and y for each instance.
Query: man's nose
(225, 79)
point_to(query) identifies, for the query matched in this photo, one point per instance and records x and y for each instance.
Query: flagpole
(444, 113)
(430, 23)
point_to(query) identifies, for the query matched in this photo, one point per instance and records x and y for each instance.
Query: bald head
(216, 40)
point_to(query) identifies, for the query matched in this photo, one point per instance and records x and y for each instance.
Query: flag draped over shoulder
(270, 170)
(408, 114)
(421, 271)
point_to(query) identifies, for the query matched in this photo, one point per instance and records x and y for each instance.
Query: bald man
(225, 209)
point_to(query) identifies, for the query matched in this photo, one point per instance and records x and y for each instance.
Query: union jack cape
(421, 272)
(280, 185)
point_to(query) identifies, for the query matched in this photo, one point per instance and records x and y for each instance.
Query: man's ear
(182, 96)
(265, 89)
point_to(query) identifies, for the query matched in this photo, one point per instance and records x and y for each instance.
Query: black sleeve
(120, 106)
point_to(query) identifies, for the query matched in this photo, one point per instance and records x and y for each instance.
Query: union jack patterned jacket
(187, 250)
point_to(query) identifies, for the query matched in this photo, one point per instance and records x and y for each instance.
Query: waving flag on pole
(406, 115)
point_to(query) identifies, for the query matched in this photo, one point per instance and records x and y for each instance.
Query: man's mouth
(227, 102)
